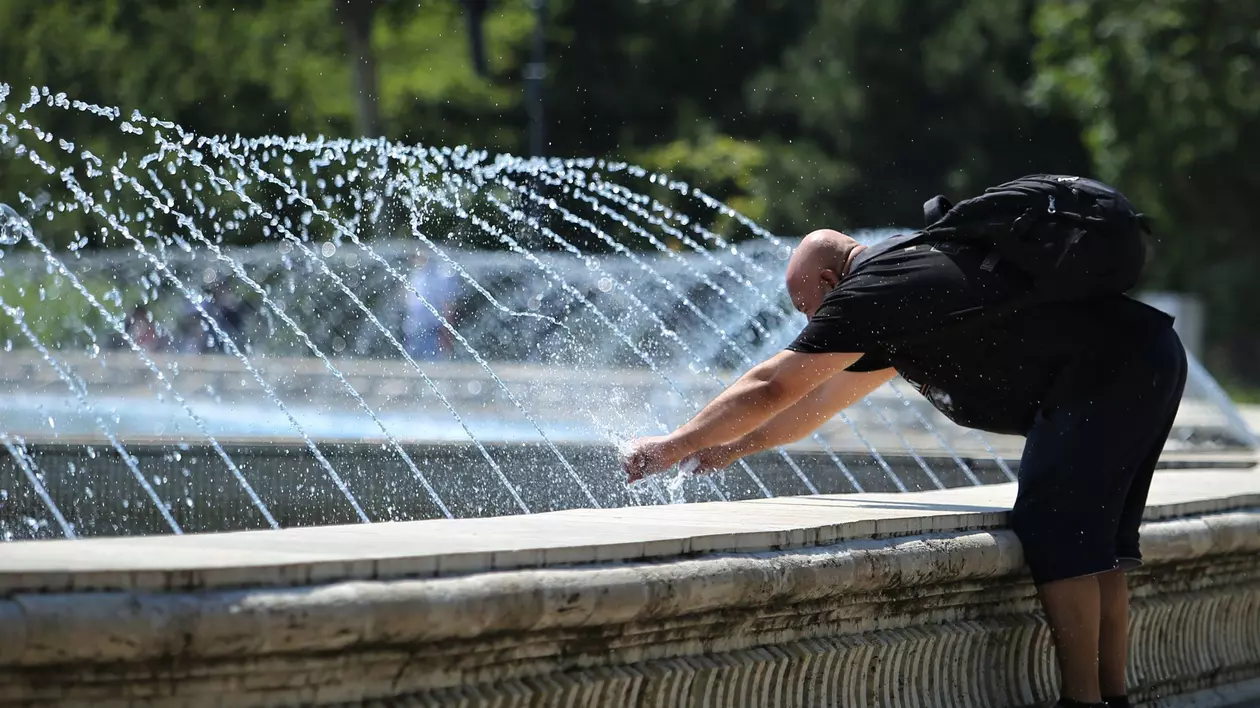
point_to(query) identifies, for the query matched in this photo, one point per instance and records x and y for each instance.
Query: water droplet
(328, 249)
(13, 228)
(605, 284)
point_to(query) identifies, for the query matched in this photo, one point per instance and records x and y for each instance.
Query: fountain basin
(916, 598)
(883, 444)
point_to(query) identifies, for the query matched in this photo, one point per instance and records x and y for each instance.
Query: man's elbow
(778, 392)
(770, 383)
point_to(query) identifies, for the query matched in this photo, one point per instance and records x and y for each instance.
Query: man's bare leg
(1074, 614)
(1113, 634)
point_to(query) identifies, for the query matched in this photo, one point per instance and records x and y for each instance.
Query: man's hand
(649, 456)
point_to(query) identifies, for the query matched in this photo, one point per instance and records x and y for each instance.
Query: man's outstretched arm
(798, 420)
(769, 388)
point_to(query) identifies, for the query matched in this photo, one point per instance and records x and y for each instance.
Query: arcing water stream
(413, 332)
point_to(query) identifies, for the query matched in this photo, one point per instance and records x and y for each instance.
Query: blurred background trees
(800, 113)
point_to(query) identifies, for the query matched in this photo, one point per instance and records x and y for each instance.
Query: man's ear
(830, 277)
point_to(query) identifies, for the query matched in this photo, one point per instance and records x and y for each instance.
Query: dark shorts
(1088, 462)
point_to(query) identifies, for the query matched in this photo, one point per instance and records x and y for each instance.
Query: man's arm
(800, 419)
(767, 389)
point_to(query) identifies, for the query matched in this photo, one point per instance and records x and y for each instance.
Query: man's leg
(1113, 638)
(1072, 485)
(1083, 480)
(1064, 517)
(1113, 633)
(1073, 610)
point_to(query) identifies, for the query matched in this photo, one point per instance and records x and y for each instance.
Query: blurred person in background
(432, 291)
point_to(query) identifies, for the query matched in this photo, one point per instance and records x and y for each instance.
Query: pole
(535, 73)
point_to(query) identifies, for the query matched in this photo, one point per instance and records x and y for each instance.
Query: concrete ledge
(906, 611)
(120, 626)
(442, 547)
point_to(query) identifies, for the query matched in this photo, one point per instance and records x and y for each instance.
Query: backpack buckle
(1051, 209)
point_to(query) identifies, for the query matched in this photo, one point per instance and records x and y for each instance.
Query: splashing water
(13, 228)
(209, 333)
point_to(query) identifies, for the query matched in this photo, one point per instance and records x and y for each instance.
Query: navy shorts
(1088, 462)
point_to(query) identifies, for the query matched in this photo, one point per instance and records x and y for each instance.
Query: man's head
(817, 266)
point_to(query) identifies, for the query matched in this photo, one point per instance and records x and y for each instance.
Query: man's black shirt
(938, 314)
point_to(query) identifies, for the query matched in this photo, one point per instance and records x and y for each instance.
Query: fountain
(205, 333)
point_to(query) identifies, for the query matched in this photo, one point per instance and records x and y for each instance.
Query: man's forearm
(804, 416)
(739, 409)
(765, 390)
(790, 425)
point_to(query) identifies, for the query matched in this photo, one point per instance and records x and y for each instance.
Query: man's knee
(1060, 545)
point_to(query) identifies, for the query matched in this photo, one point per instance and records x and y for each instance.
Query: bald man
(1094, 385)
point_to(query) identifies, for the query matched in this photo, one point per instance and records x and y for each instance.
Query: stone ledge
(920, 621)
(440, 548)
(124, 626)
(861, 600)
(864, 600)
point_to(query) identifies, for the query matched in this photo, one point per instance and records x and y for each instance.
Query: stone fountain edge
(896, 597)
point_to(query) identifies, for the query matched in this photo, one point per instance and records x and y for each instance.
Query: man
(1094, 385)
(423, 334)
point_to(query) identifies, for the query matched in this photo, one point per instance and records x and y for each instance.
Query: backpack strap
(891, 243)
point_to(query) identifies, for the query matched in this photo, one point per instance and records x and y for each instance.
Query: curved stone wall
(924, 605)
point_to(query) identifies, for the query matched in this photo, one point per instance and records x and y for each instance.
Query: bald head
(817, 266)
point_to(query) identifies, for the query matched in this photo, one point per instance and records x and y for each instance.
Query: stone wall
(884, 614)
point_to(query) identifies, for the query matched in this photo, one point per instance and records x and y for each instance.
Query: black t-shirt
(925, 309)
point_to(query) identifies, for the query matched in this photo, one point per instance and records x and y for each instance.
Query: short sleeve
(825, 338)
(843, 323)
(900, 297)
(870, 361)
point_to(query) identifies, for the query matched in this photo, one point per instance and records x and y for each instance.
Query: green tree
(273, 67)
(1168, 92)
(885, 103)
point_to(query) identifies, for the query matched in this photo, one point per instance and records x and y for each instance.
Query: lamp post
(535, 73)
(475, 12)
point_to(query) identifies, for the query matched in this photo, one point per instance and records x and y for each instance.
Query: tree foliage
(1168, 93)
(799, 113)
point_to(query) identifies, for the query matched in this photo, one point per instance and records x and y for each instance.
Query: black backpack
(1076, 237)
